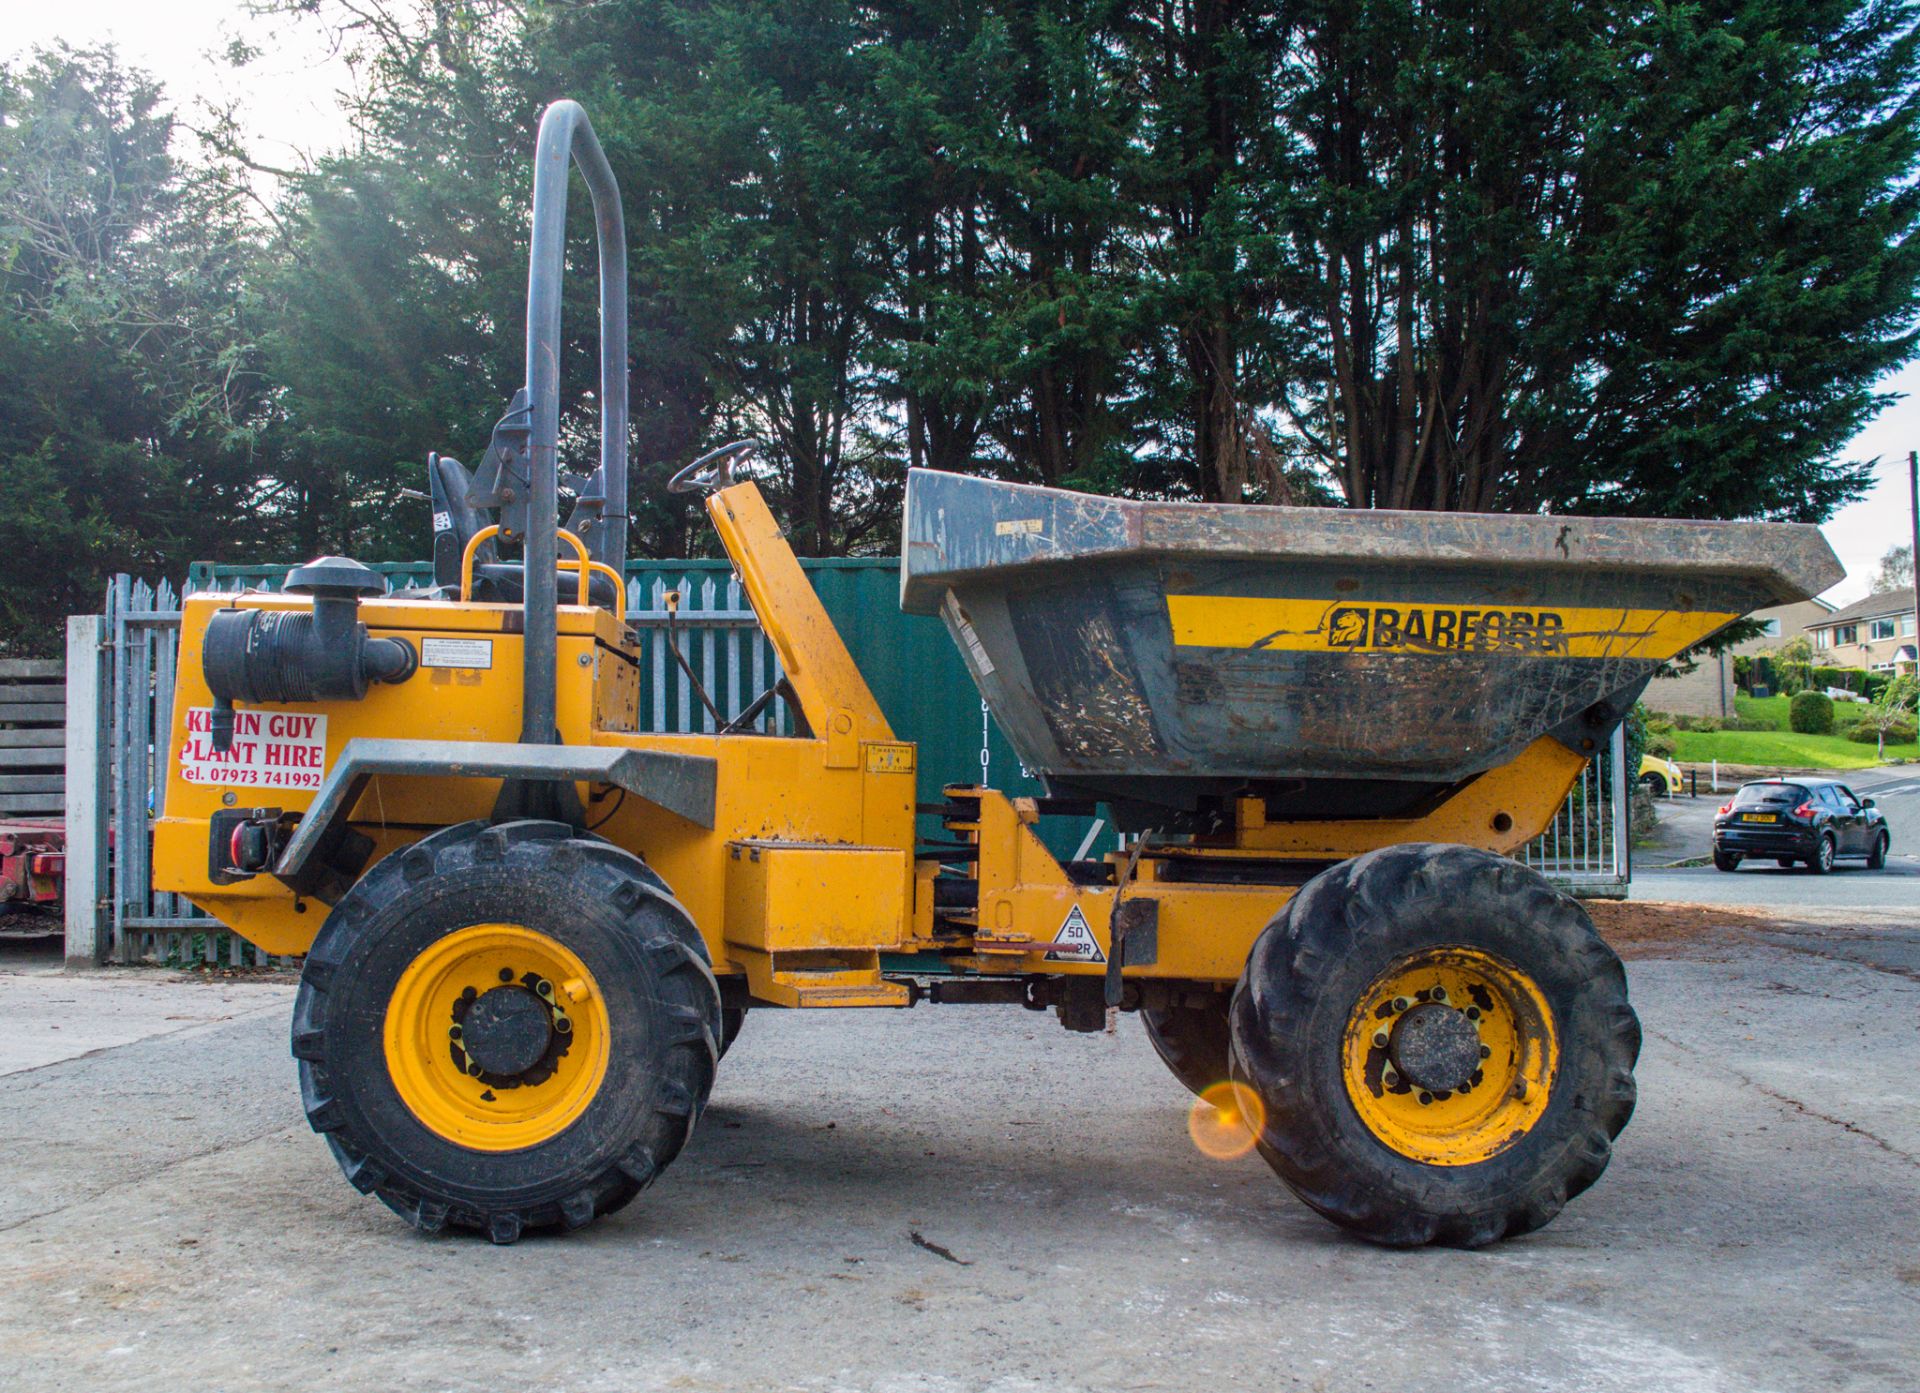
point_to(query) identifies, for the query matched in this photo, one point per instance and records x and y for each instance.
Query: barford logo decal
(1272, 624)
(1439, 629)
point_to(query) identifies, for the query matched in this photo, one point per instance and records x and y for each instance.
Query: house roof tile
(1873, 607)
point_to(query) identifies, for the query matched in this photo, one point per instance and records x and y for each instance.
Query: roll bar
(529, 435)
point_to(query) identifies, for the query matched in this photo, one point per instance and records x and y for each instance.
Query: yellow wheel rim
(1494, 1106)
(543, 984)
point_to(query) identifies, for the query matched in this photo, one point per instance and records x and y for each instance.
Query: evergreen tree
(133, 402)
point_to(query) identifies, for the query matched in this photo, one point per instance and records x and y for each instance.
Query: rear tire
(731, 1019)
(1877, 858)
(1193, 1042)
(1727, 860)
(1823, 852)
(1537, 1120)
(1656, 784)
(615, 975)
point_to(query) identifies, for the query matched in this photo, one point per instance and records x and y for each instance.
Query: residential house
(1784, 622)
(1708, 689)
(1875, 633)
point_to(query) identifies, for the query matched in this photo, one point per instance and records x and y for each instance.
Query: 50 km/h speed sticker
(271, 749)
(1075, 942)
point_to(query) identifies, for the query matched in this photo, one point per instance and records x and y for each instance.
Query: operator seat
(455, 521)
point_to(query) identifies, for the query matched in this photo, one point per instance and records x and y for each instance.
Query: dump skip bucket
(1339, 662)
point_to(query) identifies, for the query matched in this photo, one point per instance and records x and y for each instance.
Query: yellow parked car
(1660, 775)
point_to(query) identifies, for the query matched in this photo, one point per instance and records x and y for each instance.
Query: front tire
(506, 1027)
(1877, 858)
(1493, 971)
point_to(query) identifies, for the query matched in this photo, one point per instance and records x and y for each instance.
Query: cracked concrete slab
(52, 1015)
(169, 1222)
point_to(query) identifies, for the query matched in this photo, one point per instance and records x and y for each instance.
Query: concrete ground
(168, 1222)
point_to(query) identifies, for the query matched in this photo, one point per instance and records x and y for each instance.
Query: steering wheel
(713, 470)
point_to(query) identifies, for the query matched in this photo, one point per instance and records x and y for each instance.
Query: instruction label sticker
(1075, 942)
(456, 652)
(1019, 527)
(271, 749)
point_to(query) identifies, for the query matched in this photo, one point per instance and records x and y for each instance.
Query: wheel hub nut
(506, 1031)
(1435, 1047)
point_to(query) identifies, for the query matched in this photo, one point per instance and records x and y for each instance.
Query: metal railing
(1586, 848)
(132, 664)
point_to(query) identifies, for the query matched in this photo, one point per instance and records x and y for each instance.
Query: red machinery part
(33, 862)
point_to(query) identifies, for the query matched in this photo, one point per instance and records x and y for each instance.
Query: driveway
(167, 1221)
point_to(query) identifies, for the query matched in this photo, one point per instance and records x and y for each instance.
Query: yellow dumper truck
(531, 929)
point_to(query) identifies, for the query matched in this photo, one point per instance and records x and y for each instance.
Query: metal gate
(715, 629)
(1586, 847)
(906, 660)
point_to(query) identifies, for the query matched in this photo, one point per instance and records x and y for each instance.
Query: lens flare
(1225, 1120)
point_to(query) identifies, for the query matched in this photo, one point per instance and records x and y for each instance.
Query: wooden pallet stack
(33, 756)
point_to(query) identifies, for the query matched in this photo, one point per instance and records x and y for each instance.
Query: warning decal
(1075, 942)
(271, 749)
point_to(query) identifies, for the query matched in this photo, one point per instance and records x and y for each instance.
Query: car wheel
(1726, 860)
(1822, 859)
(1877, 858)
(1656, 784)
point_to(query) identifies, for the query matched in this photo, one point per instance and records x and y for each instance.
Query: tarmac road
(1764, 885)
(168, 1222)
(1686, 832)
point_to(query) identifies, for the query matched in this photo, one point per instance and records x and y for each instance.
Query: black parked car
(1810, 820)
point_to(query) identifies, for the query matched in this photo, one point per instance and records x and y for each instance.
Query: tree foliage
(132, 401)
(1603, 257)
(1895, 570)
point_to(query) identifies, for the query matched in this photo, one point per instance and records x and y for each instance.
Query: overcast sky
(286, 101)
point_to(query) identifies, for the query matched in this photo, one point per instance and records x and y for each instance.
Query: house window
(1906, 626)
(1846, 633)
(1823, 638)
(1881, 628)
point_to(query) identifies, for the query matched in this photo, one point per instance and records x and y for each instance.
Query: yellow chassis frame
(807, 876)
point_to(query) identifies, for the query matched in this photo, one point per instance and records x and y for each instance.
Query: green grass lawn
(1773, 711)
(1781, 746)
(1784, 748)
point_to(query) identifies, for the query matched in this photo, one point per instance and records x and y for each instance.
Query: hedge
(1899, 733)
(1811, 713)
